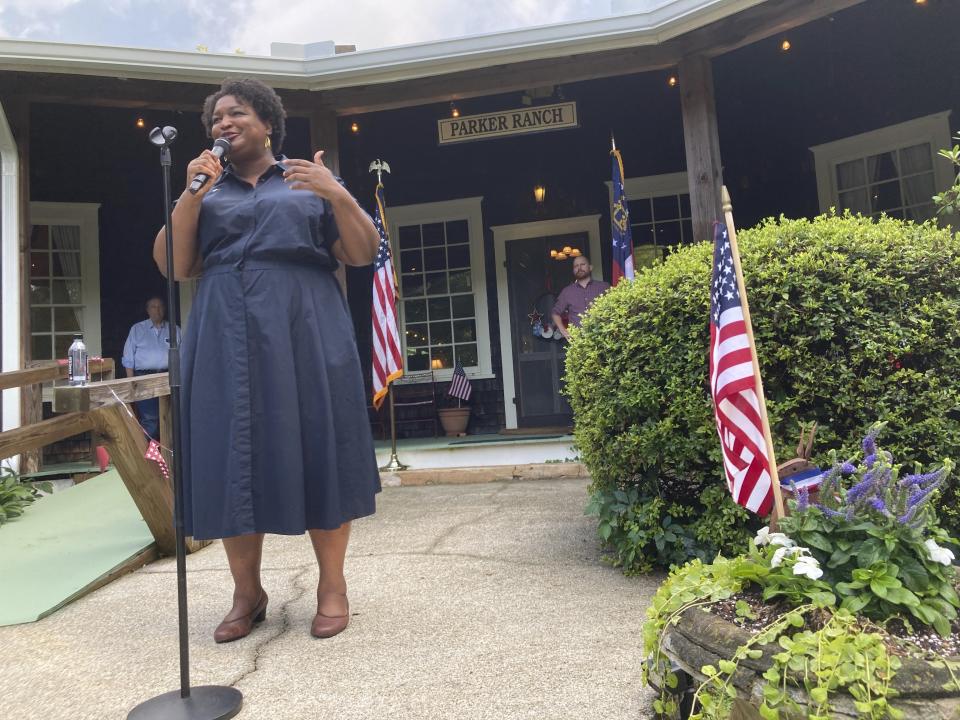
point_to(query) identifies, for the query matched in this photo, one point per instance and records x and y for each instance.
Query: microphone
(220, 148)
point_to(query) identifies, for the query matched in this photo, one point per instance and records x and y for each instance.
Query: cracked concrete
(467, 602)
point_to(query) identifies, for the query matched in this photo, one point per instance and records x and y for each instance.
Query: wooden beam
(80, 398)
(324, 136)
(125, 93)
(744, 28)
(40, 434)
(151, 492)
(498, 79)
(43, 371)
(31, 406)
(757, 23)
(702, 144)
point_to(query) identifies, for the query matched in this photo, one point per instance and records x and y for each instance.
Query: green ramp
(66, 542)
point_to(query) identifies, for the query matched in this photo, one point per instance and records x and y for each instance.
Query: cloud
(374, 23)
(251, 25)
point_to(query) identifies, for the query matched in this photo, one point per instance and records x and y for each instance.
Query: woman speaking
(275, 429)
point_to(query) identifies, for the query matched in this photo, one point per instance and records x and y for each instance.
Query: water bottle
(78, 368)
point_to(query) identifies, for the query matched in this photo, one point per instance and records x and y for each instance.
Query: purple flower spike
(848, 468)
(907, 516)
(870, 442)
(878, 505)
(828, 511)
(803, 499)
(861, 488)
(869, 460)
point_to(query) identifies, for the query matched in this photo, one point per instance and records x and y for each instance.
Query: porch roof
(652, 23)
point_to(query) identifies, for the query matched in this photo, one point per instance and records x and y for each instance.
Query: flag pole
(727, 206)
(393, 464)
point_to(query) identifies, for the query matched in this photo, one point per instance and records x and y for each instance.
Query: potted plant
(454, 418)
(849, 611)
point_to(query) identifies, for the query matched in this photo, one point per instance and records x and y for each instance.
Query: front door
(534, 279)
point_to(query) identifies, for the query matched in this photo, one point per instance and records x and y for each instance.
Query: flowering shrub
(872, 536)
(869, 545)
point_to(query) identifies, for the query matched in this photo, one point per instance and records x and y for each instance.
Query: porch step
(492, 473)
(480, 451)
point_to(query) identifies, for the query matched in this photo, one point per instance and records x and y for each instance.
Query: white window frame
(86, 217)
(468, 209)
(933, 129)
(646, 187)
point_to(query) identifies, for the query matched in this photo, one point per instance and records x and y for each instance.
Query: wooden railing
(100, 407)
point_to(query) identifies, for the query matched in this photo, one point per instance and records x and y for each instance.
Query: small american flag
(387, 360)
(153, 453)
(733, 385)
(460, 384)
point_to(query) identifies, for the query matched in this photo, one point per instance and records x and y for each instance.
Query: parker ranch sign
(508, 122)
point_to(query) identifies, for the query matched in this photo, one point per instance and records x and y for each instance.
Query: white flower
(764, 536)
(808, 566)
(787, 551)
(938, 554)
(781, 539)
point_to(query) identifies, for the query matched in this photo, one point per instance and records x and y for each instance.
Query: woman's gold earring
(267, 143)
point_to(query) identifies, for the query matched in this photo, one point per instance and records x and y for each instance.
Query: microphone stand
(208, 702)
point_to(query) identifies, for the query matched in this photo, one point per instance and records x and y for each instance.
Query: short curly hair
(258, 95)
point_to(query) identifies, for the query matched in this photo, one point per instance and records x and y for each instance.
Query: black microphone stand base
(207, 702)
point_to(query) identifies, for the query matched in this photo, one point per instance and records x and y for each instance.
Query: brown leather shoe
(325, 626)
(230, 630)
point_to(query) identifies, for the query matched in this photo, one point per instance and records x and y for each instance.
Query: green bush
(645, 530)
(855, 321)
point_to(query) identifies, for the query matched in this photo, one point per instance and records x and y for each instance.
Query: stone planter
(701, 638)
(454, 420)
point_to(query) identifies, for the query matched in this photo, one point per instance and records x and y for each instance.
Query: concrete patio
(468, 601)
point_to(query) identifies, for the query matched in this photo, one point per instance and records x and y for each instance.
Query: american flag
(620, 225)
(733, 385)
(153, 453)
(459, 384)
(387, 359)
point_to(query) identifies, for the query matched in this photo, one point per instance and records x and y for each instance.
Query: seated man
(146, 352)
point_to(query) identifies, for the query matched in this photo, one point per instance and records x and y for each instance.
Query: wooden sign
(560, 116)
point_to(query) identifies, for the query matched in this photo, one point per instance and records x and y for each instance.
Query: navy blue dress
(276, 437)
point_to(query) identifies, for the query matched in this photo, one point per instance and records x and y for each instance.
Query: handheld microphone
(220, 149)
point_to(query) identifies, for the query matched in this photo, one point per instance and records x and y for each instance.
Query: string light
(785, 45)
(454, 110)
(141, 123)
(354, 128)
(672, 81)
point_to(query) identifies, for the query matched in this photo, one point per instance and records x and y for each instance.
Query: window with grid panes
(657, 222)
(439, 314)
(899, 182)
(894, 169)
(56, 298)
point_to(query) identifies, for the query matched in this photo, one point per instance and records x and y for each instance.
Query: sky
(251, 25)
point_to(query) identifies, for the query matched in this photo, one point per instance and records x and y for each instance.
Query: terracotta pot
(454, 420)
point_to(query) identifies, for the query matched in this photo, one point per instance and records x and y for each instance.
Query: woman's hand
(208, 164)
(313, 176)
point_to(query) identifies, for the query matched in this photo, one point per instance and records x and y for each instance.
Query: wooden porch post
(18, 114)
(323, 136)
(702, 142)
